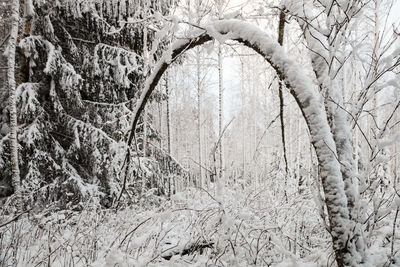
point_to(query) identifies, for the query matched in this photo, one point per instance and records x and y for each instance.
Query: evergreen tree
(84, 73)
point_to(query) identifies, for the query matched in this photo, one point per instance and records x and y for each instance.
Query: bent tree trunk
(340, 127)
(12, 102)
(310, 103)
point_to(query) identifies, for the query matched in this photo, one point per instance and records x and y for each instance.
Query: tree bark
(168, 119)
(167, 92)
(146, 71)
(199, 115)
(16, 179)
(220, 110)
(281, 31)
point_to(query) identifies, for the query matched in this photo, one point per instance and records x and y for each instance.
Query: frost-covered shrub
(195, 227)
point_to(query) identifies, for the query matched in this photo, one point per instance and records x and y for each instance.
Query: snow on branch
(29, 106)
(303, 90)
(116, 61)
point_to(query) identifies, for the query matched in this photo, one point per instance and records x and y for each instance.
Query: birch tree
(220, 5)
(220, 114)
(16, 179)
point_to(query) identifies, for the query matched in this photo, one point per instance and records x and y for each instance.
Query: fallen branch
(190, 250)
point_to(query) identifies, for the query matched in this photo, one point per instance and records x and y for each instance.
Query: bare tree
(220, 113)
(16, 180)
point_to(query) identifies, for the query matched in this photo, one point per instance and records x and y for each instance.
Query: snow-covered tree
(85, 71)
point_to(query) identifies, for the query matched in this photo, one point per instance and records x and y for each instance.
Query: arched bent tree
(346, 243)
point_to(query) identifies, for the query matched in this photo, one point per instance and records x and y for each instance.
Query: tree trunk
(16, 179)
(220, 110)
(146, 71)
(340, 128)
(199, 116)
(281, 31)
(168, 121)
(168, 114)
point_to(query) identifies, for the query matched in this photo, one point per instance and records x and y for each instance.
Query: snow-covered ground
(241, 227)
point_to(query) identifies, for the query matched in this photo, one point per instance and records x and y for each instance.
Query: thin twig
(133, 230)
(15, 218)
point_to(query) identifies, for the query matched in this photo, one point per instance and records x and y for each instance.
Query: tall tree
(281, 32)
(220, 113)
(16, 179)
(86, 73)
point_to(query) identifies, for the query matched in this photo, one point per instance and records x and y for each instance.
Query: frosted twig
(133, 230)
(15, 218)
